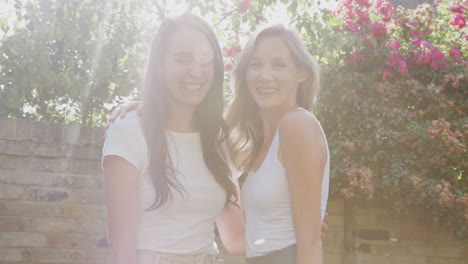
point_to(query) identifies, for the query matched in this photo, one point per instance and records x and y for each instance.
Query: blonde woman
(281, 144)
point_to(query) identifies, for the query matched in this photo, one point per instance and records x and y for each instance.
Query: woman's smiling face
(273, 76)
(189, 67)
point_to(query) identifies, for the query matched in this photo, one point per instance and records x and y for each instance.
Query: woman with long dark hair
(167, 178)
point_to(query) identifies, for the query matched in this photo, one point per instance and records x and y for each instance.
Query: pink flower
(402, 67)
(386, 73)
(233, 50)
(244, 6)
(351, 25)
(363, 18)
(457, 9)
(437, 64)
(458, 20)
(378, 30)
(394, 45)
(386, 10)
(424, 32)
(355, 56)
(455, 53)
(396, 61)
(229, 67)
(431, 133)
(364, 3)
(378, 4)
(437, 54)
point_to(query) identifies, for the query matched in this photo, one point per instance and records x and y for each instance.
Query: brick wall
(51, 197)
(52, 208)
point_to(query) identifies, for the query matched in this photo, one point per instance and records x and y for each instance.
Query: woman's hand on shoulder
(121, 111)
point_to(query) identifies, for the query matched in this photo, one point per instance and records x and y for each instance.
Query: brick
(11, 255)
(94, 226)
(63, 195)
(16, 148)
(55, 133)
(15, 208)
(56, 225)
(81, 211)
(50, 150)
(86, 135)
(448, 249)
(71, 241)
(47, 195)
(18, 177)
(445, 261)
(40, 131)
(18, 239)
(7, 128)
(89, 152)
(50, 165)
(335, 206)
(98, 136)
(370, 259)
(68, 225)
(371, 234)
(13, 224)
(23, 129)
(91, 167)
(11, 192)
(71, 134)
(13, 162)
(88, 196)
(69, 256)
(75, 181)
(47, 179)
(332, 259)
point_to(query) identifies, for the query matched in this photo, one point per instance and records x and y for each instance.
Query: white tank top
(267, 204)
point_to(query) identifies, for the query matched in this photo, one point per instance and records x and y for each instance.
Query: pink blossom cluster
(396, 60)
(458, 11)
(427, 54)
(358, 178)
(371, 21)
(243, 6)
(463, 201)
(417, 182)
(357, 11)
(446, 197)
(441, 132)
(233, 50)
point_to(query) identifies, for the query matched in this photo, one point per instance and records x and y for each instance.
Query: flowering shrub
(394, 106)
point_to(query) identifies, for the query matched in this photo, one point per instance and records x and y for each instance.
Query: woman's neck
(181, 119)
(271, 117)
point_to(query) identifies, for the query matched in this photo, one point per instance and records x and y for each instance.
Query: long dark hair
(208, 116)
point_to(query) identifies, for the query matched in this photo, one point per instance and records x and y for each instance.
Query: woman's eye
(182, 60)
(255, 65)
(279, 65)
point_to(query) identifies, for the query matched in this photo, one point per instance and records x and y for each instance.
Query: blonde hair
(243, 116)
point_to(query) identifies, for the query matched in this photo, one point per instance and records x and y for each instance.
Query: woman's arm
(121, 187)
(303, 154)
(231, 226)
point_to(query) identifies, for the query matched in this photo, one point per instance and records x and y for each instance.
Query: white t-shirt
(184, 225)
(267, 204)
